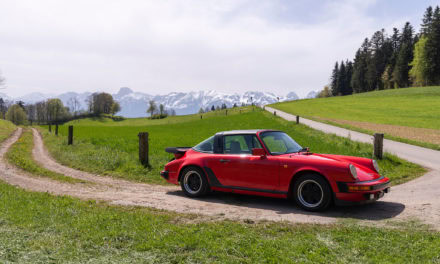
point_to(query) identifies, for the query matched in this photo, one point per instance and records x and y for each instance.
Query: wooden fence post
(70, 136)
(226, 112)
(143, 148)
(297, 119)
(201, 116)
(274, 113)
(56, 130)
(50, 128)
(378, 145)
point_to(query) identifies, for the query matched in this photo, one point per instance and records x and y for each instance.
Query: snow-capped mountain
(311, 95)
(135, 104)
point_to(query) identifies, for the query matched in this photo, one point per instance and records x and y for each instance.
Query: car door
(236, 167)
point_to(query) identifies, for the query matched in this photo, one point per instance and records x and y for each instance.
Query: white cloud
(164, 46)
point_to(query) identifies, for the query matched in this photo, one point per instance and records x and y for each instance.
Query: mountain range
(135, 104)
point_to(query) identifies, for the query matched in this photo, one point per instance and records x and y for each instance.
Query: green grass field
(113, 150)
(417, 107)
(20, 155)
(40, 228)
(6, 128)
(413, 107)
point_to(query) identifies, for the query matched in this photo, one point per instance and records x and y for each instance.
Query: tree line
(53, 111)
(399, 60)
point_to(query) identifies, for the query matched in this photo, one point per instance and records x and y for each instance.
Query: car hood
(364, 166)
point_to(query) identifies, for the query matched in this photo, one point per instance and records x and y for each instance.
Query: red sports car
(271, 163)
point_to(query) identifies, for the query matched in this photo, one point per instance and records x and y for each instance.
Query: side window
(206, 145)
(240, 144)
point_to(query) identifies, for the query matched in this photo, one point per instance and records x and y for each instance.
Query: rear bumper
(361, 192)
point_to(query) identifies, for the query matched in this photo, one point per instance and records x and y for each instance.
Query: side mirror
(258, 152)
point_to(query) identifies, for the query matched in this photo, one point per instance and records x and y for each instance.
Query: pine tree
(359, 78)
(340, 84)
(432, 50)
(348, 75)
(404, 57)
(334, 80)
(427, 21)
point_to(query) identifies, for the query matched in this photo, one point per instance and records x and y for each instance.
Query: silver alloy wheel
(192, 181)
(310, 193)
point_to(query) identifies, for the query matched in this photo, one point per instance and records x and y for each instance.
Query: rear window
(206, 146)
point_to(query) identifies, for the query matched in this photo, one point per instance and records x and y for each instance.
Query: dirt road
(420, 202)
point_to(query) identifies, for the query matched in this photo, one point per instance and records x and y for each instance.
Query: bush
(16, 115)
(158, 116)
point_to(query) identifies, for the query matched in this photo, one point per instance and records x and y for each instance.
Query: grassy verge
(38, 227)
(20, 154)
(6, 128)
(113, 150)
(387, 136)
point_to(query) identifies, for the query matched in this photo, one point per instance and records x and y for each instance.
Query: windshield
(206, 145)
(279, 143)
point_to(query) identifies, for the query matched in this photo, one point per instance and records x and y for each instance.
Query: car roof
(245, 131)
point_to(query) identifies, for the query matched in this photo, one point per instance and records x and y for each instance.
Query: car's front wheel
(312, 193)
(193, 182)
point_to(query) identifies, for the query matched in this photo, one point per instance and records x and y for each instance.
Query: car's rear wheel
(193, 182)
(312, 193)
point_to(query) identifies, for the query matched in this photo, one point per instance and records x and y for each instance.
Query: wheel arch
(187, 166)
(300, 173)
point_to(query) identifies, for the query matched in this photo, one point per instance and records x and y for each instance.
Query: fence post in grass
(56, 130)
(378, 145)
(70, 136)
(297, 119)
(275, 113)
(226, 112)
(143, 148)
(50, 128)
(201, 117)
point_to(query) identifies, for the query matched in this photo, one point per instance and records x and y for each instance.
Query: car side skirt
(216, 185)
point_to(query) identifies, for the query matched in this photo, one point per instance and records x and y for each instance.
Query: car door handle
(224, 161)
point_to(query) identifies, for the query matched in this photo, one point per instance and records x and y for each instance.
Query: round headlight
(353, 171)
(376, 166)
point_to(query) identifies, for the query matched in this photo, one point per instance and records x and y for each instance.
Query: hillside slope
(411, 114)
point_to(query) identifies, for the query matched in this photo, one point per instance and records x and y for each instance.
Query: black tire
(312, 193)
(193, 182)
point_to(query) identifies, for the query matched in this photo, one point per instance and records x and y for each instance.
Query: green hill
(410, 114)
(113, 149)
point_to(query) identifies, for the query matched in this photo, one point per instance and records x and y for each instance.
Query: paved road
(426, 157)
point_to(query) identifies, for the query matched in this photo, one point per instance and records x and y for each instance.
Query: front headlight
(376, 166)
(353, 171)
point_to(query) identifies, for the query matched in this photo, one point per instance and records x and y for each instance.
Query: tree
(419, 64)
(427, 21)
(359, 80)
(334, 80)
(115, 108)
(152, 108)
(404, 57)
(172, 112)
(55, 110)
(326, 92)
(235, 105)
(212, 108)
(201, 111)
(16, 115)
(432, 50)
(217, 108)
(3, 108)
(161, 109)
(73, 104)
(348, 75)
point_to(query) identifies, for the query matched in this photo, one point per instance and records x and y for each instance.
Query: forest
(387, 61)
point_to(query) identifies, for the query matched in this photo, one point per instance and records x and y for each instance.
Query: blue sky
(158, 47)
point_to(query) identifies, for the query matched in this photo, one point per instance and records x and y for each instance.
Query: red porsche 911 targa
(271, 163)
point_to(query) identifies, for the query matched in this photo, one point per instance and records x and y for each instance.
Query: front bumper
(165, 175)
(362, 192)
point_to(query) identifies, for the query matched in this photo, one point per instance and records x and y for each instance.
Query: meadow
(113, 150)
(38, 227)
(409, 114)
(6, 128)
